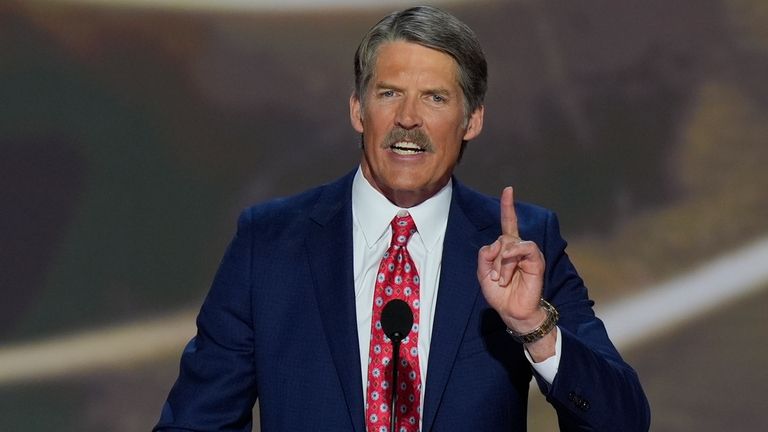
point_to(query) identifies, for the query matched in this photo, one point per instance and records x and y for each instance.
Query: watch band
(540, 331)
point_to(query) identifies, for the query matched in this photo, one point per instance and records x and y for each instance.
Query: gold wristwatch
(540, 331)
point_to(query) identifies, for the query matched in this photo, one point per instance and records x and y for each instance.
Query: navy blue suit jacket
(279, 325)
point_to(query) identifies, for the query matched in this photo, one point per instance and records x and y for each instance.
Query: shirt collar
(373, 212)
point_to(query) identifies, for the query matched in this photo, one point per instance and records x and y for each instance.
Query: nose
(408, 116)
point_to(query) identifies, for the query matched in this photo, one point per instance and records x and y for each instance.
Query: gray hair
(433, 28)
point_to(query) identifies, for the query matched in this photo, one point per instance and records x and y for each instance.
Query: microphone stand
(395, 361)
(396, 320)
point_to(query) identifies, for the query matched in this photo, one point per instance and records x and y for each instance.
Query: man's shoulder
(316, 201)
(474, 201)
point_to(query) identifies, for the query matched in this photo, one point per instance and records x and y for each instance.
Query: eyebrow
(385, 85)
(437, 90)
(440, 91)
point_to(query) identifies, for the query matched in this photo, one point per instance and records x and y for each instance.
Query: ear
(475, 124)
(356, 113)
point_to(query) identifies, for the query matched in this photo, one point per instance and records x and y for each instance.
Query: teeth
(406, 148)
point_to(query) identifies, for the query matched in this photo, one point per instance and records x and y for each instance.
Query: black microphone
(396, 320)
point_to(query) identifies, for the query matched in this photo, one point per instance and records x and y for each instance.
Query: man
(294, 315)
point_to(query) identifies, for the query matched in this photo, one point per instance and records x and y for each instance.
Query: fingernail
(494, 275)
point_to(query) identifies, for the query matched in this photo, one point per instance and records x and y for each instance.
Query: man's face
(412, 120)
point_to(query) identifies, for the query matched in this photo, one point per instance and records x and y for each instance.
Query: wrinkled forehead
(403, 53)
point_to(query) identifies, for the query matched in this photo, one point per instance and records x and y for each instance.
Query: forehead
(410, 61)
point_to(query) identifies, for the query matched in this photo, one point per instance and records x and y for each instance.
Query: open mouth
(406, 148)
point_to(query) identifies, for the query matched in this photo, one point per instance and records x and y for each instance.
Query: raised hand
(511, 273)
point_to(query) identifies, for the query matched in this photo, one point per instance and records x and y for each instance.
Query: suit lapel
(456, 295)
(329, 247)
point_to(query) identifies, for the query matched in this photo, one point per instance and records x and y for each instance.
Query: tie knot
(403, 228)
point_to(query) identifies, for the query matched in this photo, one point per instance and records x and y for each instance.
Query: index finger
(508, 216)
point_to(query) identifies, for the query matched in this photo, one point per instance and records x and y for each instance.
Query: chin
(405, 183)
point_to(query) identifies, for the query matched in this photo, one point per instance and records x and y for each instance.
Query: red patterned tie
(397, 279)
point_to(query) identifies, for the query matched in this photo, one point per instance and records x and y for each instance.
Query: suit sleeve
(594, 389)
(215, 389)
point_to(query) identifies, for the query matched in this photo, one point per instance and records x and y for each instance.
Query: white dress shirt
(371, 235)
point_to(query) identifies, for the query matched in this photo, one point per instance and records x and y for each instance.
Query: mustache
(416, 136)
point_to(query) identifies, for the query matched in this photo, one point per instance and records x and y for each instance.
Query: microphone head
(396, 319)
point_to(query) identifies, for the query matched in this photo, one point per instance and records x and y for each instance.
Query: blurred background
(133, 132)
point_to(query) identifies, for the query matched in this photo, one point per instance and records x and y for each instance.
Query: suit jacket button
(584, 405)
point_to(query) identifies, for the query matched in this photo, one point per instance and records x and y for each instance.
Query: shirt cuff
(548, 368)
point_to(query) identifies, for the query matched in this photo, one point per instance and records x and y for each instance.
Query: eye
(438, 98)
(387, 93)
